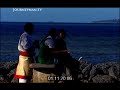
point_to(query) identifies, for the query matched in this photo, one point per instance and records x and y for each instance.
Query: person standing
(26, 49)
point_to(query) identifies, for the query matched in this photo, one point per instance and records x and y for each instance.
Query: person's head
(29, 28)
(62, 34)
(52, 33)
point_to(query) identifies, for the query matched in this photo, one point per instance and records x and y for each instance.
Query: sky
(40, 14)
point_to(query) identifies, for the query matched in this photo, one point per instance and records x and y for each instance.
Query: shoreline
(64, 22)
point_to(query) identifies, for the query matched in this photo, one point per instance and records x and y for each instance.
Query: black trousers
(72, 64)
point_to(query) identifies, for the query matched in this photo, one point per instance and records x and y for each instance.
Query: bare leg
(22, 80)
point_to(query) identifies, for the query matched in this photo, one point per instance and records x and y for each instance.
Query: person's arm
(60, 51)
(54, 50)
(28, 45)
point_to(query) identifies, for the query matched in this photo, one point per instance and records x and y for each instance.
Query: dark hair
(28, 27)
(52, 31)
(62, 31)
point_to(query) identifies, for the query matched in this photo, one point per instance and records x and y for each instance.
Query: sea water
(94, 42)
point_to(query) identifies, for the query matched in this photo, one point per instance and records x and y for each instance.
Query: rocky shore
(7, 71)
(108, 72)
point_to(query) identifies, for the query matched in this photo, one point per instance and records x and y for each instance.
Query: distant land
(53, 22)
(107, 21)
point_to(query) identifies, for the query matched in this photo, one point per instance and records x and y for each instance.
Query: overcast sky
(59, 14)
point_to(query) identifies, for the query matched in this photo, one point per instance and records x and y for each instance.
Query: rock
(102, 65)
(80, 76)
(83, 64)
(15, 80)
(7, 70)
(116, 69)
(6, 67)
(93, 72)
(80, 62)
(111, 69)
(102, 68)
(43, 77)
(108, 72)
(108, 68)
(113, 63)
(67, 72)
(87, 68)
(102, 79)
(113, 72)
(86, 71)
(10, 65)
(10, 75)
(5, 81)
(84, 81)
(2, 79)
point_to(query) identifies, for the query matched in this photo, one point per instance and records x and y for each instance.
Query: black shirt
(60, 44)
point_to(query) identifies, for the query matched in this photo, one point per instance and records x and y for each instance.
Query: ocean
(94, 42)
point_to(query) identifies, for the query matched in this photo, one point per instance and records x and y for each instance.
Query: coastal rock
(86, 71)
(10, 65)
(80, 76)
(100, 73)
(87, 68)
(67, 72)
(6, 67)
(2, 79)
(7, 70)
(102, 65)
(102, 68)
(102, 79)
(10, 75)
(113, 72)
(83, 64)
(93, 72)
(110, 68)
(14, 80)
(84, 81)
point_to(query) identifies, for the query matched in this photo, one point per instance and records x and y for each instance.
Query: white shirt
(49, 42)
(25, 42)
